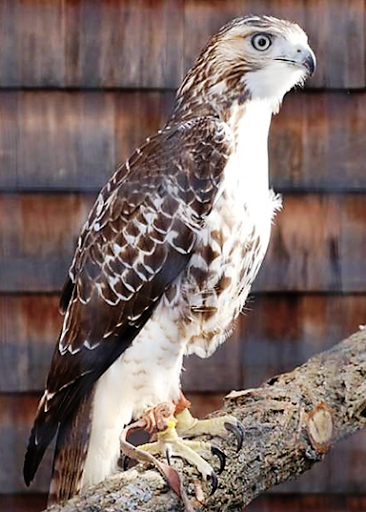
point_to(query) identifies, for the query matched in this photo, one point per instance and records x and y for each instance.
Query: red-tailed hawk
(166, 260)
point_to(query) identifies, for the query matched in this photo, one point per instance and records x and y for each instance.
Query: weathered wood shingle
(72, 141)
(91, 44)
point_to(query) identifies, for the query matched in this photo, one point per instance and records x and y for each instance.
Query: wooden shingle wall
(82, 83)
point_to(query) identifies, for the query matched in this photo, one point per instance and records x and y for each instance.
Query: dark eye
(261, 42)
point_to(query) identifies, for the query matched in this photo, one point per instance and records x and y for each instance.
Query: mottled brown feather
(118, 275)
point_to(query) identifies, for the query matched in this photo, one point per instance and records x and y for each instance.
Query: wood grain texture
(317, 243)
(53, 140)
(8, 138)
(29, 328)
(317, 246)
(16, 417)
(78, 43)
(341, 60)
(279, 332)
(72, 141)
(145, 43)
(38, 236)
(318, 142)
(64, 140)
(31, 43)
(133, 43)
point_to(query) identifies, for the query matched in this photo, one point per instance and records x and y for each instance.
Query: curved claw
(168, 456)
(238, 431)
(214, 482)
(221, 456)
(123, 462)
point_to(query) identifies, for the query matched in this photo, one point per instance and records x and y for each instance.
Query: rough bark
(290, 423)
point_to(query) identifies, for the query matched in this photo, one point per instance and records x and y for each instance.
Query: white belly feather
(146, 374)
(149, 371)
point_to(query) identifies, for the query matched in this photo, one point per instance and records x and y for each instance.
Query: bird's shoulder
(140, 235)
(179, 168)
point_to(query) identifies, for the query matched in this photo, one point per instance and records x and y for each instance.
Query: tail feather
(33, 457)
(42, 434)
(71, 448)
(70, 453)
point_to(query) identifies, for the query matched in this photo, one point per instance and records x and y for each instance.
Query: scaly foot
(159, 417)
(194, 452)
(188, 426)
(161, 421)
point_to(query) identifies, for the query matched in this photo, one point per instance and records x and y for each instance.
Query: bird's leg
(160, 420)
(188, 426)
(169, 423)
(160, 417)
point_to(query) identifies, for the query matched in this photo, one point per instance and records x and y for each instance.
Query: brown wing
(138, 238)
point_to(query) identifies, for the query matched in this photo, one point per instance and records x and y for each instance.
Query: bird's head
(254, 57)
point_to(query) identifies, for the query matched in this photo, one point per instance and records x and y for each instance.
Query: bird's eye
(261, 42)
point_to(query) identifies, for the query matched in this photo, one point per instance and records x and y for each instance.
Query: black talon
(123, 462)
(221, 456)
(214, 482)
(168, 457)
(238, 431)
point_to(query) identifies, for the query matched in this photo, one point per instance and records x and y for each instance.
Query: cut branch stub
(320, 427)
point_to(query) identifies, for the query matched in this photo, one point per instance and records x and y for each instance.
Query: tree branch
(290, 422)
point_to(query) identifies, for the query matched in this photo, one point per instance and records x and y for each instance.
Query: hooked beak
(309, 61)
(304, 58)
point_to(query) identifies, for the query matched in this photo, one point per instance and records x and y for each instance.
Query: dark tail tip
(35, 451)
(29, 468)
(32, 459)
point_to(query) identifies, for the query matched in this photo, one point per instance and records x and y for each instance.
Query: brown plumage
(167, 256)
(126, 259)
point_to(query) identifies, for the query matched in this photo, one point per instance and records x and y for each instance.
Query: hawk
(165, 262)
